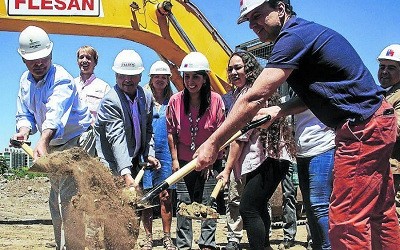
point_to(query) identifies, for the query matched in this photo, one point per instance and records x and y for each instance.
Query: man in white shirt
(91, 89)
(48, 102)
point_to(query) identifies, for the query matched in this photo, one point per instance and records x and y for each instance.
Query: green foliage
(3, 165)
(19, 173)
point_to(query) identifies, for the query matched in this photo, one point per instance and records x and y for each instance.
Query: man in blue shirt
(48, 102)
(331, 80)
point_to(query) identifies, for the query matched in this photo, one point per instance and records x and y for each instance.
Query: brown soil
(197, 211)
(108, 219)
(25, 221)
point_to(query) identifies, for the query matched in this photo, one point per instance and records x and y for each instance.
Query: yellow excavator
(171, 28)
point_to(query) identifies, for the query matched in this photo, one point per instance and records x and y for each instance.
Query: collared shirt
(91, 92)
(51, 103)
(178, 123)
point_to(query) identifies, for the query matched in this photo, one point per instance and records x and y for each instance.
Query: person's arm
(172, 143)
(396, 106)
(235, 151)
(25, 120)
(111, 117)
(43, 143)
(149, 145)
(293, 106)
(172, 124)
(59, 106)
(22, 134)
(243, 111)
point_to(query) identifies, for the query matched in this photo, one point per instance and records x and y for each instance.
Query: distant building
(16, 158)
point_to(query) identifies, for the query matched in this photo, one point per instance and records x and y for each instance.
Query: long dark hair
(280, 134)
(280, 129)
(205, 95)
(251, 66)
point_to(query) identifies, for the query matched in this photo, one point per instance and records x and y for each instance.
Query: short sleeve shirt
(328, 74)
(178, 123)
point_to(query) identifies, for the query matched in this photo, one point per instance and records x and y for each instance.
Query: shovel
(199, 211)
(141, 206)
(22, 144)
(143, 166)
(189, 167)
(25, 145)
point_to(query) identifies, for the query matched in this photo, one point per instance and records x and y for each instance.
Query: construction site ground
(25, 221)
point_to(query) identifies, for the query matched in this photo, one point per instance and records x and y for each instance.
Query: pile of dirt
(110, 222)
(197, 211)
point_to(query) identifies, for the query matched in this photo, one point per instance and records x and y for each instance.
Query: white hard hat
(128, 62)
(34, 43)
(194, 61)
(391, 52)
(160, 68)
(246, 6)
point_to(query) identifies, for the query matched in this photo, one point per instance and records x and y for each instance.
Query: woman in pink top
(193, 114)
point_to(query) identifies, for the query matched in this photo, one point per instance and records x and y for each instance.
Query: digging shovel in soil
(189, 167)
(199, 211)
(25, 145)
(132, 192)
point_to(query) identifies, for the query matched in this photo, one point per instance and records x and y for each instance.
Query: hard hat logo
(391, 52)
(160, 68)
(34, 43)
(246, 6)
(128, 62)
(194, 61)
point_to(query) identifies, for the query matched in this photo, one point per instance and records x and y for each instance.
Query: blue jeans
(315, 177)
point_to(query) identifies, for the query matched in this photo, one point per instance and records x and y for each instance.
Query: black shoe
(286, 244)
(232, 245)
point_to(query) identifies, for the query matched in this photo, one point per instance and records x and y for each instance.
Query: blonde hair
(90, 50)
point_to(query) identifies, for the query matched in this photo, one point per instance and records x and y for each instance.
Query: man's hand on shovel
(25, 145)
(190, 166)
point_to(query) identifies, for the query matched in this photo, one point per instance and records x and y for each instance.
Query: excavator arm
(171, 28)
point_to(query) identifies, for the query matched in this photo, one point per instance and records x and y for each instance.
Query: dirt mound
(197, 211)
(109, 221)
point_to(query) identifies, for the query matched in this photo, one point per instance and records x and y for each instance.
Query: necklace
(193, 130)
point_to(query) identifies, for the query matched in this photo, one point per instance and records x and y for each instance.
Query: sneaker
(286, 244)
(232, 245)
(309, 245)
(167, 243)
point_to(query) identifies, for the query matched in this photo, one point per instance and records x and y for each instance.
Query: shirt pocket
(93, 101)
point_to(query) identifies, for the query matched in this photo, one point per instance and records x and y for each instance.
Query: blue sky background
(368, 25)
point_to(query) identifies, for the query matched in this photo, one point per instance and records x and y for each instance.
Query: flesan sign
(53, 7)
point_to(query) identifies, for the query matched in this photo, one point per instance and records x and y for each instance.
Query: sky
(368, 25)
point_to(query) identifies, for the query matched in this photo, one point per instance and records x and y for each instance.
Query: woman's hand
(154, 162)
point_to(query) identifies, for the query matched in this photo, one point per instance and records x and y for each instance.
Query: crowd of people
(338, 128)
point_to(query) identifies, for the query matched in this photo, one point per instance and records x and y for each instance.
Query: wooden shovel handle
(217, 188)
(139, 176)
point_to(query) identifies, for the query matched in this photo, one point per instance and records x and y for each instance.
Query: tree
(3, 165)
